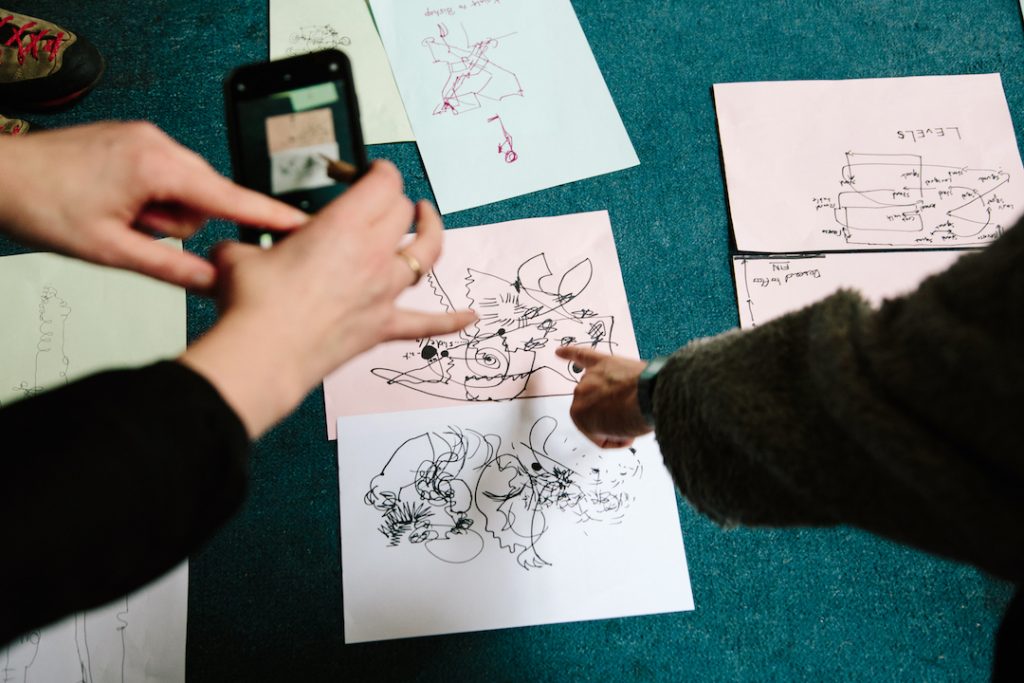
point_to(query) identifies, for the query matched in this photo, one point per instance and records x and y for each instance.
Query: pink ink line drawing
(471, 73)
(506, 146)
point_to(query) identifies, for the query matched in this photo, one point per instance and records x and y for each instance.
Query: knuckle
(144, 131)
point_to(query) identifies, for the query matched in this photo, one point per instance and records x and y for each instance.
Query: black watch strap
(645, 387)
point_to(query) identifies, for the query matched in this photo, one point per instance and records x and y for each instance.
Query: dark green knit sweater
(907, 421)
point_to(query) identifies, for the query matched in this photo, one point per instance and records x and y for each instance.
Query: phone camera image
(297, 145)
(293, 128)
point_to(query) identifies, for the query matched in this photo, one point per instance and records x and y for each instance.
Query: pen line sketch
(437, 487)
(314, 38)
(472, 75)
(900, 200)
(505, 148)
(521, 319)
(781, 272)
(51, 362)
(50, 370)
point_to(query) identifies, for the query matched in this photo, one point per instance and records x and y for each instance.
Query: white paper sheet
(536, 284)
(300, 26)
(505, 98)
(500, 515)
(876, 163)
(140, 638)
(767, 287)
(62, 319)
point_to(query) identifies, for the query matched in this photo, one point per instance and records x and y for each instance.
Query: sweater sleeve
(904, 421)
(108, 483)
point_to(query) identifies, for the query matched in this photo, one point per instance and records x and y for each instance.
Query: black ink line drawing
(315, 38)
(438, 488)
(17, 658)
(781, 270)
(899, 200)
(511, 348)
(472, 75)
(505, 148)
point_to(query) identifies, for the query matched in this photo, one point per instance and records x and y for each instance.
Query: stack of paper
(468, 499)
(895, 166)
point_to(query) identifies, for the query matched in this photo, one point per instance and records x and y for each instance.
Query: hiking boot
(13, 126)
(43, 65)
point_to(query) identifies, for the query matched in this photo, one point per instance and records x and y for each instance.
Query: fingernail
(202, 280)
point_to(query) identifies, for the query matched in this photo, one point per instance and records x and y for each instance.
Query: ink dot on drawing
(576, 369)
(501, 331)
(536, 467)
(428, 352)
(444, 354)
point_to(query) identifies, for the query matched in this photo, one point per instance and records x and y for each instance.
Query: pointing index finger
(581, 355)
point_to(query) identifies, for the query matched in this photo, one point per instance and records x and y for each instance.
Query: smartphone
(286, 119)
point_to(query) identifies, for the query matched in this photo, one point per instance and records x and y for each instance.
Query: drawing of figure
(509, 351)
(505, 148)
(63, 650)
(898, 199)
(516, 490)
(51, 363)
(17, 658)
(472, 75)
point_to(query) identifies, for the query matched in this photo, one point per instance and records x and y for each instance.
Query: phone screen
(285, 139)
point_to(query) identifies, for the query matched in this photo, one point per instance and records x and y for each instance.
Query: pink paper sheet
(536, 284)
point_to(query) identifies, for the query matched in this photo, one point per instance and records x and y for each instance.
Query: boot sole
(63, 100)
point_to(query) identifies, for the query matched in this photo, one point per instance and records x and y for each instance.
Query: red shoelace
(35, 39)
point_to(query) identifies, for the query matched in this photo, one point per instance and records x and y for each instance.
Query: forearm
(900, 421)
(256, 367)
(109, 482)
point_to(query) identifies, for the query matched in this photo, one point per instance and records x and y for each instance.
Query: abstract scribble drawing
(505, 148)
(509, 352)
(898, 199)
(472, 75)
(437, 488)
(314, 38)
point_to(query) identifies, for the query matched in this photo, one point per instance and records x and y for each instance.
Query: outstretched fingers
(135, 251)
(368, 200)
(417, 325)
(195, 185)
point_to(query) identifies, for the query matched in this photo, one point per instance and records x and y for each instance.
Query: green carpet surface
(265, 600)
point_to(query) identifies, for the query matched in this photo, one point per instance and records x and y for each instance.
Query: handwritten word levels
(918, 134)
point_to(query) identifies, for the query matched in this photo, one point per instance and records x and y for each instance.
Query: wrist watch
(645, 387)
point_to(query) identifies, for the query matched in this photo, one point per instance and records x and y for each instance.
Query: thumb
(582, 356)
(226, 255)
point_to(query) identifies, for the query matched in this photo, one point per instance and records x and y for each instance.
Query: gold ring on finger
(414, 265)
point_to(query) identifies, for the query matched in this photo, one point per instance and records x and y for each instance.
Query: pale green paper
(301, 26)
(114, 319)
(62, 319)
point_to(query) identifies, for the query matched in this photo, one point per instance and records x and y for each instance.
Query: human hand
(292, 314)
(604, 405)
(87, 191)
